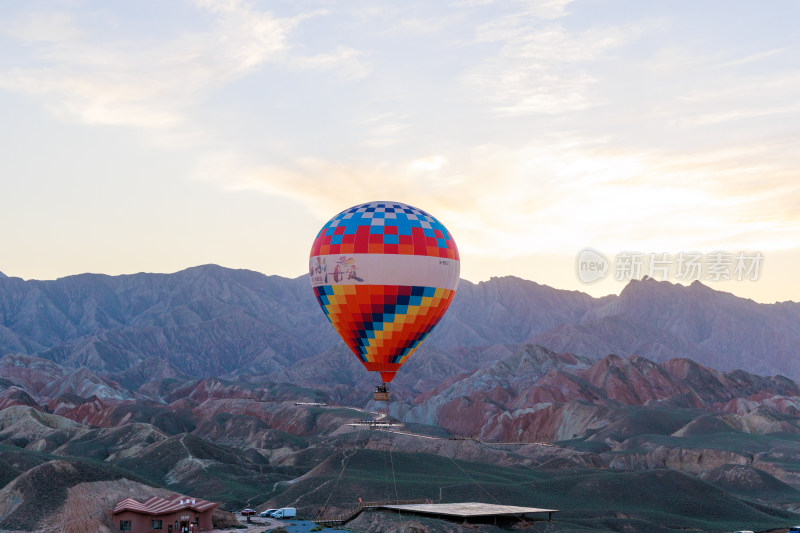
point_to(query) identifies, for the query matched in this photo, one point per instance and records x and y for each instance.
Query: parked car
(248, 512)
(268, 512)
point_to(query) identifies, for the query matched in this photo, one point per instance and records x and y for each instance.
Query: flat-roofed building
(472, 511)
(176, 514)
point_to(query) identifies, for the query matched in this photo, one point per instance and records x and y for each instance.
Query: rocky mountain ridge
(537, 394)
(213, 321)
(531, 395)
(609, 423)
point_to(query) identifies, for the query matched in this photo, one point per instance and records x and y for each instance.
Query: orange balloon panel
(383, 324)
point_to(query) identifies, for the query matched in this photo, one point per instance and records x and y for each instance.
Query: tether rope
(396, 497)
(521, 517)
(386, 474)
(344, 466)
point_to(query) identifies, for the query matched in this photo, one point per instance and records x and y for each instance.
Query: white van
(285, 512)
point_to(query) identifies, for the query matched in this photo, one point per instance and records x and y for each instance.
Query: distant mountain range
(214, 321)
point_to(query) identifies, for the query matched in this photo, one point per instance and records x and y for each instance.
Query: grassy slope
(655, 500)
(734, 441)
(230, 475)
(43, 488)
(591, 498)
(753, 484)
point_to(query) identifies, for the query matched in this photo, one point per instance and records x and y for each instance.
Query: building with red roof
(176, 514)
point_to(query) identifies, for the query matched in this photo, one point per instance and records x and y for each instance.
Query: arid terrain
(667, 408)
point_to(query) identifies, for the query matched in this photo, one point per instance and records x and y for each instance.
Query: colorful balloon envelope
(384, 273)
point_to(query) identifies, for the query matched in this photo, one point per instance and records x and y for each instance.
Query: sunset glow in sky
(154, 136)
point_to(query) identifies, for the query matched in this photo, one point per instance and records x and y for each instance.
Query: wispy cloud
(385, 129)
(347, 62)
(42, 26)
(700, 92)
(542, 66)
(557, 196)
(149, 84)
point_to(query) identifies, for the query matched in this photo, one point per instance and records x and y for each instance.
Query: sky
(155, 136)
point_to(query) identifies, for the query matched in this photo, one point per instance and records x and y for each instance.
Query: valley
(228, 385)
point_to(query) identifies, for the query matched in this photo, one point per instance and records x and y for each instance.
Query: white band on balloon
(384, 269)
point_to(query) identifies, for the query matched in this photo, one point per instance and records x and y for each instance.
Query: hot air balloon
(384, 273)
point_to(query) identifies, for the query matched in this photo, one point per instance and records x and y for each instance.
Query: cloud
(147, 85)
(560, 195)
(106, 98)
(384, 130)
(432, 163)
(344, 60)
(151, 83)
(541, 67)
(42, 26)
(527, 12)
(721, 96)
